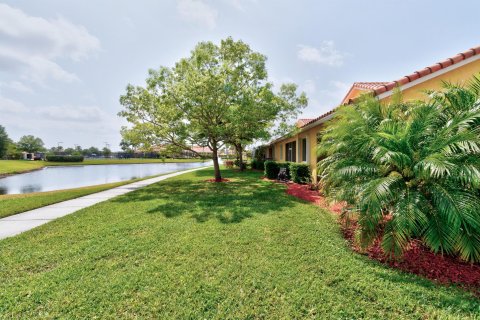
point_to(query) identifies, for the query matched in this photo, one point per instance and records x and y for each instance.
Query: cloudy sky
(64, 64)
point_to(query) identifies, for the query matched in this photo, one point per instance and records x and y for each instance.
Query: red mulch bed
(213, 180)
(417, 258)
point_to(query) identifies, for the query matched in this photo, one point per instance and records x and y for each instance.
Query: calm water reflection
(56, 178)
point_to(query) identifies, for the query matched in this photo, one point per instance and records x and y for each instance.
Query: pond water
(57, 178)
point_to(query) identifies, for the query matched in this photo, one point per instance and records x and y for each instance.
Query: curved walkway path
(18, 223)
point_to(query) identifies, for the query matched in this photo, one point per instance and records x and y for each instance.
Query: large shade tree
(410, 170)
(253, 116)
(210, 98)
(30, 143)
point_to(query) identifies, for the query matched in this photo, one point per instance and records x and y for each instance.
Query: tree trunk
(240, 156)
(216, 166)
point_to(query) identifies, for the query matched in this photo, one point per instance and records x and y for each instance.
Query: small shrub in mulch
(417, 258)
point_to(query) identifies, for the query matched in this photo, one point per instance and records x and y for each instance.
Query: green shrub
(57, 158)
(258, 164)
(236, 163)
(300, 172)
(271, 169)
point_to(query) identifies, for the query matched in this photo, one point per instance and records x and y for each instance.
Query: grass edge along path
(186, 248)
(11, 204)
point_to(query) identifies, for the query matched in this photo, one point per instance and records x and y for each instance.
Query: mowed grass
(188, 249)
(18, 166)
(11, 204)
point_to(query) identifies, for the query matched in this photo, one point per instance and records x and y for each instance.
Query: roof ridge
(428, 70)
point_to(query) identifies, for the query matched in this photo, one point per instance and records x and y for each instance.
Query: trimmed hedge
(300, 172)
(55, 158)
(258, 164)
(272, 169)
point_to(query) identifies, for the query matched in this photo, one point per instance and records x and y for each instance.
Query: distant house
(33, 155)
(302, 146)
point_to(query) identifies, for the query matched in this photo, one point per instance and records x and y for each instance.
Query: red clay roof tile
(303, 122)
(381, 87)
(429, 70)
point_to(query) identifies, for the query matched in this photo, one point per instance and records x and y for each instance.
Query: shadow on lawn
(232, 202)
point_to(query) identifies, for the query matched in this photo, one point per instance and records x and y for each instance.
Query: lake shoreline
(59, 177)
(96, 163)
(5, 175)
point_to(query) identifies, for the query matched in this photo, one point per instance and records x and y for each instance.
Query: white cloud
(326, 54)
(240, 4)
(16, 86)
(67, 113)
(72, 113)
(31, 46)
(11, 106)
(199, 12)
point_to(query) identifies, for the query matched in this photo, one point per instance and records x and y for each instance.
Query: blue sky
(64, 64)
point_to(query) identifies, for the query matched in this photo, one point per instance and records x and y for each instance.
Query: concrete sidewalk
(25, 221)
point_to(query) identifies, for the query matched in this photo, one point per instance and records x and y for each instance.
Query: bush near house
(300, 172)
(59, 158)
(272, 168)
(257, 164)
(409, 171)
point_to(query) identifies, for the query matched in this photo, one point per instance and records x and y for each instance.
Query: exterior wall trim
(430, 76)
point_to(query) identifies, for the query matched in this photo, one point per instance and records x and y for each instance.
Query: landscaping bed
(417, 259)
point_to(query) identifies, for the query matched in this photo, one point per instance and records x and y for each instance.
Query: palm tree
(409, 170)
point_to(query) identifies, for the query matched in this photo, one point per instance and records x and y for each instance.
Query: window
(290, 151)
(281, 152)
(304, 149)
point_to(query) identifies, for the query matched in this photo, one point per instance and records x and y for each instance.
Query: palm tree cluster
(409, 170)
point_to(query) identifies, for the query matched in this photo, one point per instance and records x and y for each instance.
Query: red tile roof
(318, 118)
(302, 122)
(381, 87)
(369, 85)
(428, 70)
(201, 149)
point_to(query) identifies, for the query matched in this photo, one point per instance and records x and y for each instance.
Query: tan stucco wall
(459, 75)
(353, 93)
(311, 135)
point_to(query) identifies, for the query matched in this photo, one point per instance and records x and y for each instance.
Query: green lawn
(19, 166)
(11, 204)
(188, 249)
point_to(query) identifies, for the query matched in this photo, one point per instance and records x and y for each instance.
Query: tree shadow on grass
(243, 197)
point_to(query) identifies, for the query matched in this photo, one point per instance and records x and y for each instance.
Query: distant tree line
(10, 149)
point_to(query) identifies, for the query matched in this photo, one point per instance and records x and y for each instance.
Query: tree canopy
(30, 143)
(219, 94)
(4, 142)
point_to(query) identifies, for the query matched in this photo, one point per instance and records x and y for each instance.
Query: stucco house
(302, 146)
